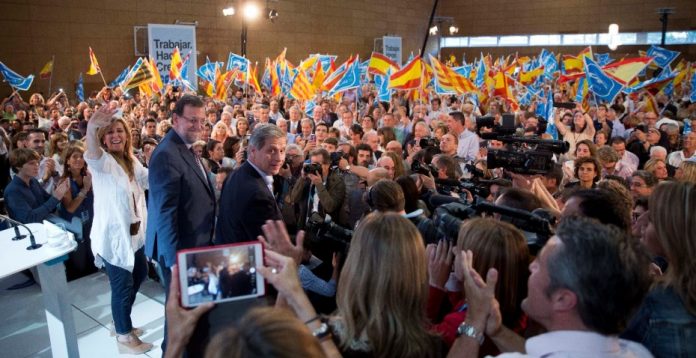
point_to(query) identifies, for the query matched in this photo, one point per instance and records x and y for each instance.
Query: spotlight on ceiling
(228, 11)
(433, 30)
(453, 30)
(251, 11)
(272, 14)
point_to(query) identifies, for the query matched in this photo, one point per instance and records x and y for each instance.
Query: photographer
(319, 189)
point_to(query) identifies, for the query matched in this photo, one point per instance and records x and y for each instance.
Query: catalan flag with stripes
(449, 80)
(222, 83)
(301, 88)
(253, 82)
(143, 74)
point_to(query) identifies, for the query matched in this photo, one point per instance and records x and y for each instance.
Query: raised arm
(101, 118)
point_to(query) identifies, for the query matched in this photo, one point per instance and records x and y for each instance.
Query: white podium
(14, 257)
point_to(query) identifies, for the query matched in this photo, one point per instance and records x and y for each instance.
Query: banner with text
(163, 39)
(392, 48)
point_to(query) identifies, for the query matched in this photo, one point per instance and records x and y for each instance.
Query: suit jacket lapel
(190, 159)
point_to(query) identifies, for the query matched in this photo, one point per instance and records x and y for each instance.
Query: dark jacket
(331, 198)
(245, 205)
(181, 202)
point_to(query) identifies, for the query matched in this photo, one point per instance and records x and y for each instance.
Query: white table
(14, 257)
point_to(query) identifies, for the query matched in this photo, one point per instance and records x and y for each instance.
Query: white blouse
(118, 202)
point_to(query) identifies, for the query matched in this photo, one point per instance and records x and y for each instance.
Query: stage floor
(23, 331)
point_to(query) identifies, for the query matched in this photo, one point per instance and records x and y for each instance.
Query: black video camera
(506, 127)
(427, 142)
(524, 155)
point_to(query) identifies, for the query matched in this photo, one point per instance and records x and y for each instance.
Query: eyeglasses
(194, 120)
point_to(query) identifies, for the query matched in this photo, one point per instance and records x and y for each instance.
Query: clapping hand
(480, 294)
(439, 263)
(60, 189)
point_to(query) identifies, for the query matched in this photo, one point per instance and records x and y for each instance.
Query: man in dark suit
(181, 200)
(247, 199)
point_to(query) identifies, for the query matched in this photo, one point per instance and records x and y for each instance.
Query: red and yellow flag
(47, 70)
(450, 80)
(379, 64)
(156, 84)
(222, 82)
(253, 81)
(409, 76)
(319, 77)
(93, 64)
(301, 88)
(175, 65)
(529, 77)
(626, 70)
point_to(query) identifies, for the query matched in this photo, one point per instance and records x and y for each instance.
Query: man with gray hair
(583, 287)
(247, 199)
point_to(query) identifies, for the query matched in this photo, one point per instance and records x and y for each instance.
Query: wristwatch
(470, 331)
(347, 168)
(322, 332)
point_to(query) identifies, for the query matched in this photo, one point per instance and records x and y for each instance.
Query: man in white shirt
(344, 124)
(576, 302)
(468, 146)
(689, 149)
(627, 158)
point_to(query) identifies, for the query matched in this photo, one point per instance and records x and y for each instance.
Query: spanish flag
(379, 64)
(175, 65)
(93, 64)
(409, 76)
(529, 77)
(47, 70)
(626, 70)
(573, 64)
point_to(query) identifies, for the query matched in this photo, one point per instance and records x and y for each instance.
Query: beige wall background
(35, 30)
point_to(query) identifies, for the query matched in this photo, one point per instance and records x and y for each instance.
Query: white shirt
(114, 210)
(676, 158)
(468, 147)
(268, 179)
(630, 160)
(580, 344)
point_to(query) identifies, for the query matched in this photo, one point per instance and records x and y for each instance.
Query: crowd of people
(344, 199)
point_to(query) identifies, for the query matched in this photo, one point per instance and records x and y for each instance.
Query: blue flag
(207, 71)
(235, 61)
(550, 121)
(15, 80)
(325, 61)
(185, 73)
(692, 95)
(603, 59)
(603, 86)
(120, 78)
(480, 73)
(350, 80)
(266, 79)
(382, 84)
(463, 70)
(579, 95)
(309, 109)
(525, 99)
(80, 90)
(662, 56)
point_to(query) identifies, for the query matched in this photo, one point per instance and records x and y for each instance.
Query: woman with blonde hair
(686, 171)
(382, 290)
(220, 132)
(658, 168)
(666, 320)
(120, 214)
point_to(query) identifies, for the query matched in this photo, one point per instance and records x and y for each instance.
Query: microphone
(33, 245)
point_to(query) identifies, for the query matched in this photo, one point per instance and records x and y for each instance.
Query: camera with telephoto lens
(427, 142)
(418, 167)
(448, 219)
(312, 168)
(324, 230)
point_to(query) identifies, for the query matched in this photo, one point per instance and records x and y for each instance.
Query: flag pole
(50, 79)
(102, 77)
